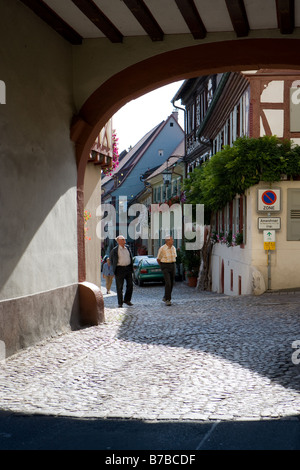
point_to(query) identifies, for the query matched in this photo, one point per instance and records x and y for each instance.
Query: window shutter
(293, 214)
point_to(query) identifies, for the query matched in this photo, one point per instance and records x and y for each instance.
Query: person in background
(166, 257)
(122, 263)
(108, 275)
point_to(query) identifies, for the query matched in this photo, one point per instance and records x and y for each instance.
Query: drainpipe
(269, 270)
(184, 111)
(184, 173)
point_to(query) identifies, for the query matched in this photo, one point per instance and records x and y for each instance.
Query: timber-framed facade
(252, 104)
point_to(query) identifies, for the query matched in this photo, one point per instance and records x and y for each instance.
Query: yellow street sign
(269, 245)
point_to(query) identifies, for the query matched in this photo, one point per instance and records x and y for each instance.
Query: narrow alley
(208, 358)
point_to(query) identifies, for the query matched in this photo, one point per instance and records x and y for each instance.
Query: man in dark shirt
(121, 260)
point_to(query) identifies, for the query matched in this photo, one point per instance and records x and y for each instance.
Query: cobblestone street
(207, 357)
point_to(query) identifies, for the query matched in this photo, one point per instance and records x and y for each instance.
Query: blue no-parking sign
(269, 197)
(268, 200)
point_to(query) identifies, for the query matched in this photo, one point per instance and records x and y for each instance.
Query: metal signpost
(269, 202)
(269, 245)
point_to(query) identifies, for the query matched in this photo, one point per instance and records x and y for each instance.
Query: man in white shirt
(121, 260)
(166, 257)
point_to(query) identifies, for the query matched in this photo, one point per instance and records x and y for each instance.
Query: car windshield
(137, 259)
(149, 261)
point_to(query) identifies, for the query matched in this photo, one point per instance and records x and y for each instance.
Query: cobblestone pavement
(207, 357)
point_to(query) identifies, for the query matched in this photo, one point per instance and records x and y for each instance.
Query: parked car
(136, 260)
(148, 270)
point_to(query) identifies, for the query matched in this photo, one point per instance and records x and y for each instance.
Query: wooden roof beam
(46, 13)
(192, 18)
(238, 16)
(286, 16)
(144, 16)
(96, 16)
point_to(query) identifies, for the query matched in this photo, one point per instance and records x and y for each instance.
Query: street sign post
(269, 202)
(269, 245)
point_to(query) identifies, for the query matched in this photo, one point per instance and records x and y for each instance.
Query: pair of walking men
(122, 265)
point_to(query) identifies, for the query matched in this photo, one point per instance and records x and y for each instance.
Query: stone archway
(145, 76)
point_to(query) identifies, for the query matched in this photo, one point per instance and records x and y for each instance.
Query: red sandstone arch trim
(145, 76)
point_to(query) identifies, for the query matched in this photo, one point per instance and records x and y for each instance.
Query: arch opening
(160, 70)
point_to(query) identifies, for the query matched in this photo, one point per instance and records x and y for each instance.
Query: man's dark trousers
(168, 270)
(124, 273)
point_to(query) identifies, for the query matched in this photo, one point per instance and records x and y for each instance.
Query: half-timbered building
(220, 108)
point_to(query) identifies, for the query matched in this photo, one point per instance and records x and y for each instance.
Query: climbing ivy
(234, 169)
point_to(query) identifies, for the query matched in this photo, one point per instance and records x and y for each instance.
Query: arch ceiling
(115, 20)
(181, 34)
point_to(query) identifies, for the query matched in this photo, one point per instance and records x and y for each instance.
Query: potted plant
(239, 239)
(191, 262)
(192, 277)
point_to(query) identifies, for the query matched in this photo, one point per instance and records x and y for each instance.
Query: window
(190, 119)
(203, 105)
(160, 193)
(198, 111)
(227, 133)
(232, 219)
(174, 188)
(209, 91)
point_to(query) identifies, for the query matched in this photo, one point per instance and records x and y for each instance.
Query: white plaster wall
(275, 118)
(285, 260)
(236, 259)
(38, 243)
(273, 92)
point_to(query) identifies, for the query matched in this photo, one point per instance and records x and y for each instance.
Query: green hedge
(234, 169)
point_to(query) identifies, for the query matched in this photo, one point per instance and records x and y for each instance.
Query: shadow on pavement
(34, 432)
(254, 332)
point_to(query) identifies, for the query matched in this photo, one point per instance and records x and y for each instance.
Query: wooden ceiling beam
(192, 18)
(46, 13)
(286, 16)
(238, 16)
(96, 16)
(144, 16)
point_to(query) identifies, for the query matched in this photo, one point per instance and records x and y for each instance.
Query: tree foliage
(234, 169)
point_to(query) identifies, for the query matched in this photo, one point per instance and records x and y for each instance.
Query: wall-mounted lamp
(167, 175)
